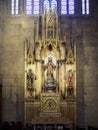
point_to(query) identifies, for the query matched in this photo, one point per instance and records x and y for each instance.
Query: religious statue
(70, 78)
(30, 79)
(50, 66)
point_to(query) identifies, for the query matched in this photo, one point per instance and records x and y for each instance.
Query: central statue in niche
(50, 83)
(50, 68)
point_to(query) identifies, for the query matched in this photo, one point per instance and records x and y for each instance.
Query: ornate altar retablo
(50, 74)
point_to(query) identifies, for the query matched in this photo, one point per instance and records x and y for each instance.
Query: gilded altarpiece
(50, 74)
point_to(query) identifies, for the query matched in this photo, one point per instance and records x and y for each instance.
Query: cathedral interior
(49, 64)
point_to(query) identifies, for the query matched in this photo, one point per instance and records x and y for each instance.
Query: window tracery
(85, 6)
(36, 6)
(32, 7)
(63, 6)
(67, 6)
(46, 4)
(53, 4)
(28, 6)
(15, 7)
(71, 6)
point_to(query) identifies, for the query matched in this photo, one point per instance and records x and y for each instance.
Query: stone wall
(87, 72)
(14, 31)
(84, 31)
(12, 68)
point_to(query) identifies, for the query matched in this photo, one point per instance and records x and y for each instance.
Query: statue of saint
(50, 66)
(70, 78)
(30, 79)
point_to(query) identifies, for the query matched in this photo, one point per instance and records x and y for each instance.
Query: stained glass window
(28, 6)
(71, 6)
(32, 7)
(63, 6)
(46, 4)
(67, 6)
(36, 6)
(85, 6)
(15, 7)
(53, 4)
